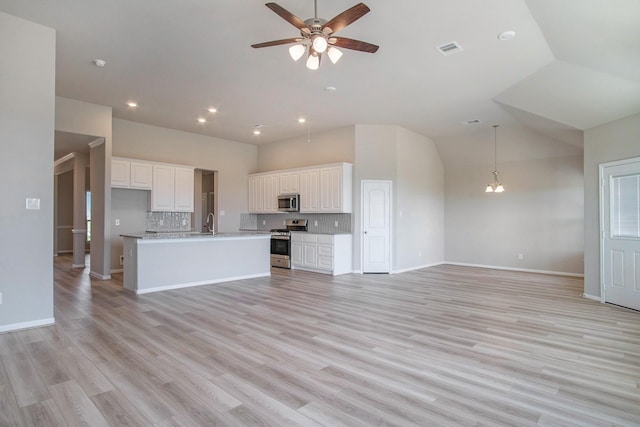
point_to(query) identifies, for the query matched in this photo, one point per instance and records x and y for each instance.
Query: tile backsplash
(168, 221)
(318, 223)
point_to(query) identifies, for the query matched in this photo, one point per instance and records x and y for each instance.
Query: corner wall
(27, 109)
(617, 140)
(411, 161)
(540, 214)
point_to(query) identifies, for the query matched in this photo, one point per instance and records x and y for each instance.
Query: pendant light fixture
(495, 186)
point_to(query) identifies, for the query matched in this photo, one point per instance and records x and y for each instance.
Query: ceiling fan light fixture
(296, 51)
(319, 43)
(334, 54)
(313, 62)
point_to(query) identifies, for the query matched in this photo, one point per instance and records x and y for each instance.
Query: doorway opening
(206, 192)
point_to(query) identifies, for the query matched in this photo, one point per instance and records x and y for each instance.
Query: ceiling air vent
(449, 48)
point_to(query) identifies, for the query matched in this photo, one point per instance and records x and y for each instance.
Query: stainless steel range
(281, 242)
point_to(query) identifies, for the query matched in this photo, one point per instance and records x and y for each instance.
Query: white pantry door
(376, 226)
(620, 226)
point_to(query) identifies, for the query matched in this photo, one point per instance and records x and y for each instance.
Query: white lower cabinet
(322, 253)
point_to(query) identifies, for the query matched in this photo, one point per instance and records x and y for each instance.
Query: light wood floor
(440, 346)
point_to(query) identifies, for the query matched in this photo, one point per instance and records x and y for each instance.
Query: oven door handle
(280, 238)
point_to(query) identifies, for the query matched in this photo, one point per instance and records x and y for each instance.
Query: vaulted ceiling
(573, 64)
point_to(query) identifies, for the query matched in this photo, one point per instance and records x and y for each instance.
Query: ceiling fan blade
(276, 42)
(346, 18)
(354, 44)
(287, 16)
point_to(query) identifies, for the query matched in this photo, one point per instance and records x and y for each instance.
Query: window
(625, 206)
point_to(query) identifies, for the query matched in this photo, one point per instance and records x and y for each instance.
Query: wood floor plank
(446, 345)
(75, 406)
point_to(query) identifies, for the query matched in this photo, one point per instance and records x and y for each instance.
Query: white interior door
(376, 226)
(620, 226)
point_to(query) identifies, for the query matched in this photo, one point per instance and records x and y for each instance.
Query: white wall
(233, 161)
(412, 162)
(27, 108)
(617, 140)
(323, 148)
(419, 202)
(539, 215)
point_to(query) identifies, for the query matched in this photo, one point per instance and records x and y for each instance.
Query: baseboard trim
(523, 270)
(99, 276)
(78, 265)
(117, 270)
(28, 325)
(200, 283)
(592, 297)
(419, 267)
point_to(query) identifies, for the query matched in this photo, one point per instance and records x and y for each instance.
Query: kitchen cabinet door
(141, 175)
(183, 190)
(289, 182)
(163, 192)
(256, 194)
(309, 200)
(271, 191)
(336, 188)
(120, 172)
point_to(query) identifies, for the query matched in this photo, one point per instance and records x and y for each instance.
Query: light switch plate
(33, 204)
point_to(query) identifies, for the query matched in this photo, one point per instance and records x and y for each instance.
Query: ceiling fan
(317, 35)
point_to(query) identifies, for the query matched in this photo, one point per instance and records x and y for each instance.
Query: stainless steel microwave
(289, 203)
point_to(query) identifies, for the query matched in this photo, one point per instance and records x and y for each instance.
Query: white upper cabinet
(141, 175)
(183, 189)
(129, 173)
(162, 195)
(172, 189)
(271, 191)
(322, 189)
(335, 188)
(289, 182)
(120, 172)
(309, 196)
(256, 193)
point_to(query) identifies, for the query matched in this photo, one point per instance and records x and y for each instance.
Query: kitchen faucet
(210, 224)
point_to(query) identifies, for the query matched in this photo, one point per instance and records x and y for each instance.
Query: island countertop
(152, 235)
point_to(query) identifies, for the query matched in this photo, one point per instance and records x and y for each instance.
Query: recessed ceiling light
(330, 89)
(202, 120)
(506, 35)
(256, 132)
(100, 62)
(212, 110)
(132, 104)
(302, 120)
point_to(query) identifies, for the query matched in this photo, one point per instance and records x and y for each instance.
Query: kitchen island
(162, 261)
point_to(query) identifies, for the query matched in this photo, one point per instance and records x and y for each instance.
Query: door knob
(365, 232)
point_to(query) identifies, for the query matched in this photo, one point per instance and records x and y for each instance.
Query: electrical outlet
(419, 253)
(184, 222)
(162, 222)
(117, 222)
(264, 222)
(222, 213)
(520, 257)
(121, 259)
(315, 223)
(335, 224)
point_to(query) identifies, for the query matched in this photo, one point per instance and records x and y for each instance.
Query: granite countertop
(151, 235)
